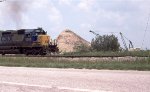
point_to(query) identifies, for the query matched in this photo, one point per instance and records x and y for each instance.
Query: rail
(72, 56)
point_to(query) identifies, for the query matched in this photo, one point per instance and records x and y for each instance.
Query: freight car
(26, 41)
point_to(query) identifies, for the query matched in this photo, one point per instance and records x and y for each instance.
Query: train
(27, 41)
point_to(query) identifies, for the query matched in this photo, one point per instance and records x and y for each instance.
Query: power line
(145, 31)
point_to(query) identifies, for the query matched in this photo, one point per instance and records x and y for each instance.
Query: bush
(82, 48)
(105, 43)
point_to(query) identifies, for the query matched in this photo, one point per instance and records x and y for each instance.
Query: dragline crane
(124, 43)
(94, 33)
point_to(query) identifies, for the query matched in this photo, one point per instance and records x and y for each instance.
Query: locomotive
(26, 41)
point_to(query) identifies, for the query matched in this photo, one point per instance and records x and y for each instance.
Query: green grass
(56, 63)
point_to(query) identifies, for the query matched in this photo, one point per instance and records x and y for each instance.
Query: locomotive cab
(40, 37)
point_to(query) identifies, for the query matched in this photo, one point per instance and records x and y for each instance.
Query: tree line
(101, 43)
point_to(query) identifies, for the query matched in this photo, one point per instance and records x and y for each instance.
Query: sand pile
(68, 40)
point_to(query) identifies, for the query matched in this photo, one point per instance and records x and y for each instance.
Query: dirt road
(14, 79)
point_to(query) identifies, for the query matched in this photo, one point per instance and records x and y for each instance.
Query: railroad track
(71, 56)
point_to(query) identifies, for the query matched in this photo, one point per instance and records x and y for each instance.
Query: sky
(102, 16)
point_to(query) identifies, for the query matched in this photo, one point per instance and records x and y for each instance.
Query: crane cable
(145, 31)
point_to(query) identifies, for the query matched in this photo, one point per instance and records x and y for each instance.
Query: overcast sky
(102, 16)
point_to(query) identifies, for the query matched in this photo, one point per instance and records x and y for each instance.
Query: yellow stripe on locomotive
(42, 40)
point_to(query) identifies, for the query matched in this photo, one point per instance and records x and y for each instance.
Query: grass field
(56, 63)
(110, 53)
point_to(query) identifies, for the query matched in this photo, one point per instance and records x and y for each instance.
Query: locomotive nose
(44, 40)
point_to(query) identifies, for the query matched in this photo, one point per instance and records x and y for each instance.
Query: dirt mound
(68, 40)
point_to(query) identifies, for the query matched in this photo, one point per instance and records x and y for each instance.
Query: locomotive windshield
(39, 31)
